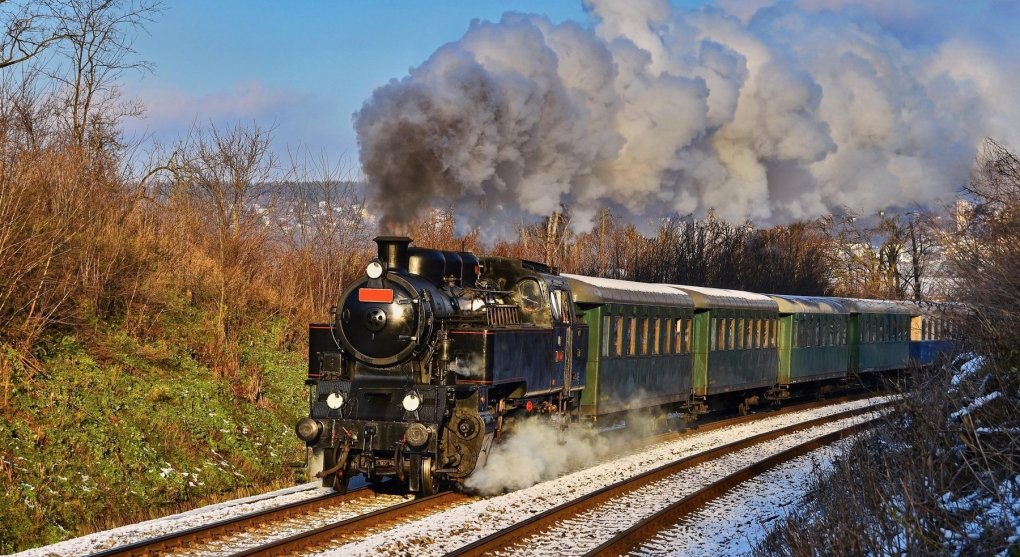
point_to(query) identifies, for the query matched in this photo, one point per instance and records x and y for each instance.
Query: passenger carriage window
(606, 335)
(677, 338)
(731, 326)
(656, 335)
(667, 335)
(712, 334)
(644, 336)
(618, 337)
(740, 334)
(631, 336)
(749, 334)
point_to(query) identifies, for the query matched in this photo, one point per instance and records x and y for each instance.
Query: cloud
(297, 118)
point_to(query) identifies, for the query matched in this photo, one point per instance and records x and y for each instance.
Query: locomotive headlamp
(374, 269)
(417, 434)
(411, 402)
(335, 400)
(308, 430)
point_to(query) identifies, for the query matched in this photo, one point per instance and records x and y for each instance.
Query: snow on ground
(442, 532)
(1002, 508)
(735, 523)
(251, 538)
(978, 403)
(132, 533)
(477, 519)
(596, 526)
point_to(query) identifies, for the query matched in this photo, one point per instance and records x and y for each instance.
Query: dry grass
(944, 476)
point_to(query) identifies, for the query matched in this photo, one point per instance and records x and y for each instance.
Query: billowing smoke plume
(784, 112)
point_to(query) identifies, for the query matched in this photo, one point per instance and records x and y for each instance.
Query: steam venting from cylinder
(769, 111)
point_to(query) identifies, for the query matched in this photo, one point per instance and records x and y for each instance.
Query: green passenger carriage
(878, 334)
(735, 341)
(640, 348)
(813, 340)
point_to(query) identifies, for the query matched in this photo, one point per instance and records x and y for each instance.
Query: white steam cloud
(773, 113)
(537, 451)
(540, 449)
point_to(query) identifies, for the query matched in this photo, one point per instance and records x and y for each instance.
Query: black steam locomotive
(432, 355)
(425, 358)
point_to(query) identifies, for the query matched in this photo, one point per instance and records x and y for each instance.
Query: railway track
(226, 527)
(341, 530)
(505, 540)
(650, 527)
(352, 527)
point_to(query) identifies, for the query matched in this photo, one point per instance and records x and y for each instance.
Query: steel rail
(755, 416)
(227, 526)
(212, 530)
(649, 527)
(507, 537)
(358, 524)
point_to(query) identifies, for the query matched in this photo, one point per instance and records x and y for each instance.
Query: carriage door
(567, 341)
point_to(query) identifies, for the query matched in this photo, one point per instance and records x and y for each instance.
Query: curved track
(380, 519)
(225, 527)
(503, 540)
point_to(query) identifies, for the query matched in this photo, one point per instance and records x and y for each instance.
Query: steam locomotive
(432, 355)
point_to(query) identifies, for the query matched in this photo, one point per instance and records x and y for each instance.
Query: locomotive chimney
(393, 250)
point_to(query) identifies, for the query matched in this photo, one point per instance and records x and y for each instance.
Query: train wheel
(429, 482)
(742, 409)
(343, 478)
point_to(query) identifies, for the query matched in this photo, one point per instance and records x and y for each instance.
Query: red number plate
(379, 295)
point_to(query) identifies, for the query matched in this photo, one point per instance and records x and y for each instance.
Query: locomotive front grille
(502, 315)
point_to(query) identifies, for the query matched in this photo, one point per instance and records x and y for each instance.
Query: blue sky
(303, 67)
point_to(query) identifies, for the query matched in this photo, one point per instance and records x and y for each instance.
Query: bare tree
(29, 29)
(227, 181)
(98, 36)
(323, 222)
(985, 253)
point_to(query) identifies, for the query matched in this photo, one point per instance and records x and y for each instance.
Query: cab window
(530, 294)
(561, 305)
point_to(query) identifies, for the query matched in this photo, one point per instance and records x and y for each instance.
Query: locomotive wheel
(341, 480)
(429, 482)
